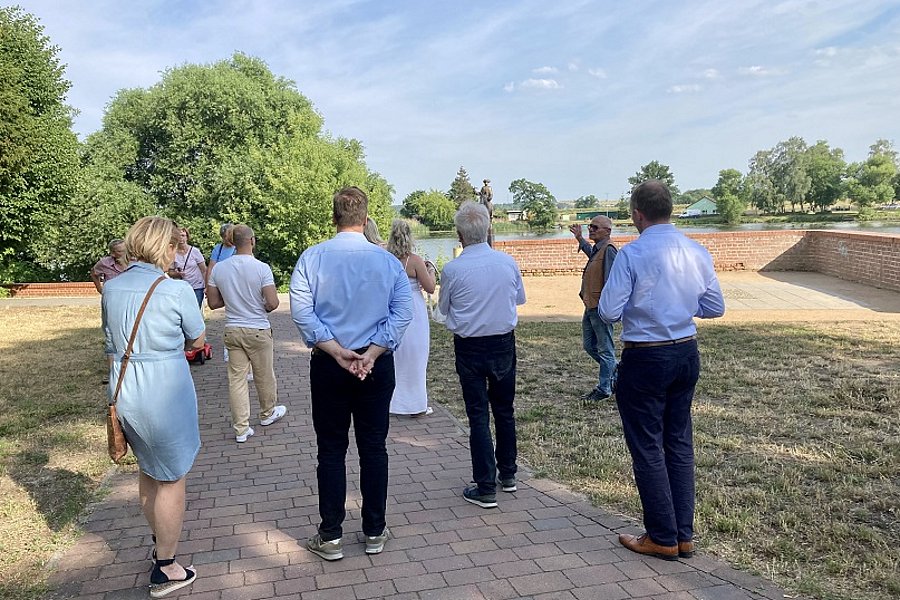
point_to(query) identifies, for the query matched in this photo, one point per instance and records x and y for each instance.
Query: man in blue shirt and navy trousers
(479, 293)
(658, 284)
(351, 302)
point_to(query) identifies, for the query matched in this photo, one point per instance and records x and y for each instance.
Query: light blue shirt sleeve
(617, 290)
(303, 307)
(389, 332)
(712, 303)
(192, 323)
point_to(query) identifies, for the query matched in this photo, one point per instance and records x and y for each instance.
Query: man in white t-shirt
(246, 288)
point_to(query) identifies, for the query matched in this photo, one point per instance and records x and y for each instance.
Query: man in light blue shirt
(658, 284)
(479, 293)
(351, 302)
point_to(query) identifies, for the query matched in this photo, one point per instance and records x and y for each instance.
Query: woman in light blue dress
(157, 404)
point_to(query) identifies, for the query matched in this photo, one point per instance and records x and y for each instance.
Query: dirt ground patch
(749, 297)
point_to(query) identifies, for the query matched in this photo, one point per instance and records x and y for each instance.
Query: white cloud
(509, 87)
(711, 74)
(540, 84)
(573, 66)
(829, 51)
(760, 71)
(598, 73)
(545, 70)
(686, 88)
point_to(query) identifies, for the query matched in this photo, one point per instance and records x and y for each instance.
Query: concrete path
(251, 508)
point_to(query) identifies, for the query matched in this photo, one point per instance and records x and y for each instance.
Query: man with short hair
(486, 197)
(597, 336)
(479, 293)
(111, 266)
(245, 286)
(352, 302)
(659, 283)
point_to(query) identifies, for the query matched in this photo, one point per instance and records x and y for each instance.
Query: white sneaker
(277, 412)
(243, 438)
(250, 376)
(225, 354)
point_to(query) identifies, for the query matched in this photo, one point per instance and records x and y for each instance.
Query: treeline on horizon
(232, 142)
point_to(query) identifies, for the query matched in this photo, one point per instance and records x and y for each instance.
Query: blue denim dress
(157, 404)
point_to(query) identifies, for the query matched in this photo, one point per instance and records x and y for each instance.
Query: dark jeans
(338, 396)
(487, 374)
(655, 390)
(597, 338)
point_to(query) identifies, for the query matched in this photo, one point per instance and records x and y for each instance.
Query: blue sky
(576, 95)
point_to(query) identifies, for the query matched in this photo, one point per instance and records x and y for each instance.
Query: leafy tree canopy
(655, 170)
(461, 189)
(826, 169)
(228, 142)
(38, 151)
(729, 195)
(537, 202)
(691, 196)
(588, 201)
(431, 208)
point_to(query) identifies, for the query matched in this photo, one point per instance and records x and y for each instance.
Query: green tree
(729, 195)
(38, 151)
(461, 189)
(588, 201)
(656, 170)
(623, 208)
(872, 182)
(789, 172)
(432, 208)
(231, 141)
(826, 168)
(759, 185)
(537, 202)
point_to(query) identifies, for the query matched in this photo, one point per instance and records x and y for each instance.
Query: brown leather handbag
(115, 437)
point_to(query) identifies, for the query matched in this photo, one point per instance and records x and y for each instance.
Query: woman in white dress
(411, 357)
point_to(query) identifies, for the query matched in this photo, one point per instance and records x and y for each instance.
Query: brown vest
(592, 276)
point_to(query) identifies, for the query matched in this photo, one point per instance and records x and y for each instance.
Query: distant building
(515, 215)
(588, 214)
(701, 208)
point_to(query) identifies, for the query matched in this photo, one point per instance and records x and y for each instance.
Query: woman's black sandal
(161, 585)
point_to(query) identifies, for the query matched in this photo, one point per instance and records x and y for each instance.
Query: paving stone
(251, 508)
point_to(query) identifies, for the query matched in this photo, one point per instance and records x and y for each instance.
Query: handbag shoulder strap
(137, 321)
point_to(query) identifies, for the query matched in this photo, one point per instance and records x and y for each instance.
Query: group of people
(357, 304)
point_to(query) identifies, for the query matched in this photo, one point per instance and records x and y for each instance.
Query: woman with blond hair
(370, 230)
(156, 401)
(411, 357)
(189, 265)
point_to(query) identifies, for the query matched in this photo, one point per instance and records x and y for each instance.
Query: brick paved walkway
(251, 508)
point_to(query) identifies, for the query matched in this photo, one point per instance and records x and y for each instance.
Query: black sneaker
(471, 494)
(508, 484)
(595, 395)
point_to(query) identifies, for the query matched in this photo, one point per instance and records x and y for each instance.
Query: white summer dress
(411, 359)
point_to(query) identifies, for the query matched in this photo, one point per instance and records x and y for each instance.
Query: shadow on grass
(59, 494)
(797, 438)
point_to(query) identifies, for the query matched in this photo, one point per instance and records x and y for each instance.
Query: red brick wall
(869, 258)
(872, 259)
(731, 251)
(46, 290)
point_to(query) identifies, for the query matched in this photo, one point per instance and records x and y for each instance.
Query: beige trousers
(248, 347)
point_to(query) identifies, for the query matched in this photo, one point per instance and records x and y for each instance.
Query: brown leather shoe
(686, 549)
(644, 545)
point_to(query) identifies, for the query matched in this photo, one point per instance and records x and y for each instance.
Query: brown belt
(655, 344)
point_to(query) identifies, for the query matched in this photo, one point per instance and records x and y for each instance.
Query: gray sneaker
(471, 494)
(508, 484)
(375, 543)
(330, 550)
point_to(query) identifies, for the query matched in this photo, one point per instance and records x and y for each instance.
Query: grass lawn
(52, 436)
(797, 439)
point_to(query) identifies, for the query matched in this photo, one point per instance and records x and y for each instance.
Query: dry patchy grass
(51, 436)
(797, 437)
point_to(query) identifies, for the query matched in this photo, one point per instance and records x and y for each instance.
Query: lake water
(441, 246)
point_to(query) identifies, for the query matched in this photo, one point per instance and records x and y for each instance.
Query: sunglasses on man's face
(596, 227)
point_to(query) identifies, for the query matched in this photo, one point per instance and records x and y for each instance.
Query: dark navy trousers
(487, 374)
(337, 397)
(654, 395)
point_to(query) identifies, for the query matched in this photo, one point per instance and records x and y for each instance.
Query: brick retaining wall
(869, 258)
